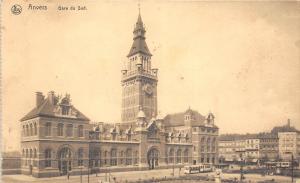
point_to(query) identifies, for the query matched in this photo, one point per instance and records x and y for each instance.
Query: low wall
(11, 165)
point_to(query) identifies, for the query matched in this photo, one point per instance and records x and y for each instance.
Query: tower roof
(139, 44)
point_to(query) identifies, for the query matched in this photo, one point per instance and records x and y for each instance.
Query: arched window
(208, 144)
(80, 131)
(186, 156)
(24, 130)
(171, 156)
(65, 156)
(48, 129)
(48, 158)
(178, 156)
(213, 144)
(34, 153)
(60, 129)
(105, 157)
(26, 157)
(136, 157)
(27, 130)
(96, 157)
(23, 153)
(128, 157)
(121, 158)
(113, 155)
(69, 130)
(202, 143)
(30, 153)
(35, 129)
(31, 130)
(80, 157)
(34, 157)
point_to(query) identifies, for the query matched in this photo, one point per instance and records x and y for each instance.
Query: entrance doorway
(30, 169)
(152, 158)
(65, 161)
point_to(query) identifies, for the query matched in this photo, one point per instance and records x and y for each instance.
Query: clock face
(148, 89)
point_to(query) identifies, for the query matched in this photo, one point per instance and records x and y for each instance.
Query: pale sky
(239, 60)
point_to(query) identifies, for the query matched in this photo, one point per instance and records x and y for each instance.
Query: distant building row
(279, 144)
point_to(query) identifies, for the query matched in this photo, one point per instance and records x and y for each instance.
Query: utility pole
(89, 168)
(81, 175)
(88, 174)
(173, 166)
(292, 167)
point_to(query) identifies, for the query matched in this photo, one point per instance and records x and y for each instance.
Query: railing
(145, 73)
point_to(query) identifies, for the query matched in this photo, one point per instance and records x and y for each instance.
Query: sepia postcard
(141, 91)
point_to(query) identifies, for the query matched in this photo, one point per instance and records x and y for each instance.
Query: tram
(200, 168)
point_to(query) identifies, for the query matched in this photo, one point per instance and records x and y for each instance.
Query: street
(132, 176)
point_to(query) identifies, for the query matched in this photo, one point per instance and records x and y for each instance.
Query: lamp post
(67, 157)
(80, 174)
(292, 165)
(88, 173)
(241, 169)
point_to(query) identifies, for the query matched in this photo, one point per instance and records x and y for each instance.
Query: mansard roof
(284, 128)
(177, 119)
(48, 108)
(233, 137)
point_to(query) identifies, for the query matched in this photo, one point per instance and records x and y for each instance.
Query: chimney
(51, 97)
(288, 122)
(39, 97)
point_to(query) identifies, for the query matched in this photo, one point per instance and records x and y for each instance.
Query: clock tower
(139, 79)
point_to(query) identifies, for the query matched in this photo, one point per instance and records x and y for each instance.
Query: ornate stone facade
(58, 139)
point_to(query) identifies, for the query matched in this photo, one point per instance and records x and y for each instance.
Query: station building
(57, 139)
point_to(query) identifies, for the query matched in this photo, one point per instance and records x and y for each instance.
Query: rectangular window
(80, 131)
(48, 158)
(60, 129)
(48, 129)
(80, 157)
(69, 130)
(113, 155)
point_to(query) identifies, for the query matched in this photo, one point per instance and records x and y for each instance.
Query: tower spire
(139, 6)
(139, 44)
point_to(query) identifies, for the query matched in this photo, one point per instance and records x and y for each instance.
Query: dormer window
(65, 110)
(114, 136)
(171, 137)
(179, 137)
(129, 137)
(65, 105)
(186, 138)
